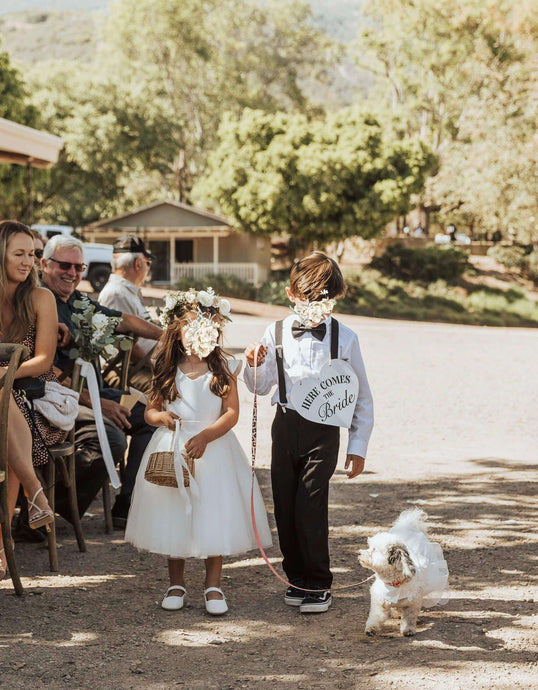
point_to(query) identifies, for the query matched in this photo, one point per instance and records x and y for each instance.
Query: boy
(304, 453)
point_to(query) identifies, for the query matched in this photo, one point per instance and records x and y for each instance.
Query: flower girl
(194, 402)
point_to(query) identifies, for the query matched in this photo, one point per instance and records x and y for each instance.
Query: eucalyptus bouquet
(94, 334)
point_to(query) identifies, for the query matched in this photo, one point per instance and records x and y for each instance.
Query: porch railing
(244, 271)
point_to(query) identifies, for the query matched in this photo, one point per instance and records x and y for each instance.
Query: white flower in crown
(224, 307)
(201, 298)
(205, 298)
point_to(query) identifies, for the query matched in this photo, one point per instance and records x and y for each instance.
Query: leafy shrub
(273, 292)
(425, 264)
(532, 266)
(223, 283)
(511, 257)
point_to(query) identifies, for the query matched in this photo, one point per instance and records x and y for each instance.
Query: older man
(62, 266)
(131, 264)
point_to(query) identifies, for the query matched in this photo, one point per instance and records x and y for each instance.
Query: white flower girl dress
(211, 517)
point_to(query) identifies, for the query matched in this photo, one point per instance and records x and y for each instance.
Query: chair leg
(51, 533)
(109, 528)
(10, 558)
(73, 504)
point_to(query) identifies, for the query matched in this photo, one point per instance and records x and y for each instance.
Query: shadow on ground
(98, 623)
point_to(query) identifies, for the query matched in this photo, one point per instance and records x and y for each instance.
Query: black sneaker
(316, 602)
(294, 596)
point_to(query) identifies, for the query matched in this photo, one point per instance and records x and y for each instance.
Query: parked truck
(97, 257)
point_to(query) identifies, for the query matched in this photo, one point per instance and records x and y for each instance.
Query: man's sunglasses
(66, 265)
(38, 253)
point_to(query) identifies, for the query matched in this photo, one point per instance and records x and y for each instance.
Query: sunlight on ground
(249, 562)
(234, 633)
(70, 580)
(77, 639)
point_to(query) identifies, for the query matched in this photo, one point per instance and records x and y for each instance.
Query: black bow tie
(297, 330)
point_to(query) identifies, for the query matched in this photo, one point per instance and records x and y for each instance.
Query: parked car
(459, 238)
(98, 257)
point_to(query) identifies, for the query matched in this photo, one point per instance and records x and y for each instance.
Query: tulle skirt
(210, 518)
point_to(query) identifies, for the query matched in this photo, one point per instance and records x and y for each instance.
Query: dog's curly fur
(389, 558)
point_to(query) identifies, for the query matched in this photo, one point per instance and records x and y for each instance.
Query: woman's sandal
(39, 517)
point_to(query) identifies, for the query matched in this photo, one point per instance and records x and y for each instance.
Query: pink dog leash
(252, 511)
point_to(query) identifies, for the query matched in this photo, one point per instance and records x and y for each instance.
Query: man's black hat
(131, 244)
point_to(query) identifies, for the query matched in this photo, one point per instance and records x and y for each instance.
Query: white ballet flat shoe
(216, 607)
(173, 603)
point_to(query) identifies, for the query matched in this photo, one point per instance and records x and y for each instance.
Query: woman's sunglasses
(66, 265)
(38, 253)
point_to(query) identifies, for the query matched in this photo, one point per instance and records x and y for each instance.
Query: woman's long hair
(171, 352)
(22, 298)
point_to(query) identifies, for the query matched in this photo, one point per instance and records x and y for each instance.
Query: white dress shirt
(126, 297)
(305, 356)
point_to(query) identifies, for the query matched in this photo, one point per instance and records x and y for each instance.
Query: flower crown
(315, 311)
(197, 300)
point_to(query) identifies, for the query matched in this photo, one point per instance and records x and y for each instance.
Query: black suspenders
(280, 359)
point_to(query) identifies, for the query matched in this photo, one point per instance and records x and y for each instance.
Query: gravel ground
(456, 421)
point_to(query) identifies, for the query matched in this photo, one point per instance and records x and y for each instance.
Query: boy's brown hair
(316, 276)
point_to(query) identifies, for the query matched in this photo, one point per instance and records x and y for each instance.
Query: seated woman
(27, 316)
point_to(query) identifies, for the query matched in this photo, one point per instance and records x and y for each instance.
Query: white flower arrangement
(94, 333)
(314, 312)
(195, 298)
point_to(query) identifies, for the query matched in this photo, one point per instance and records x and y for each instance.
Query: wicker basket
(160, 469)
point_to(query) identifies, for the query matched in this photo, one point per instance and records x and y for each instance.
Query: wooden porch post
(172, 261)
(29, 195)
(215, 254)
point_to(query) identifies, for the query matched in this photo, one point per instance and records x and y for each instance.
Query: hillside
(34, 36)
(67, 29)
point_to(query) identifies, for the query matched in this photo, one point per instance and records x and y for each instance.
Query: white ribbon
(179, 464)
(87, 370)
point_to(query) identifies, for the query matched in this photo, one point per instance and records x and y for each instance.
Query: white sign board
(328, 398)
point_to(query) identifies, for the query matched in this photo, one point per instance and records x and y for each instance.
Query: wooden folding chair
(15, 354)
(64, 456)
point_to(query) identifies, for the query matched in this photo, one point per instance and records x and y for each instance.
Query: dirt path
(456, 420)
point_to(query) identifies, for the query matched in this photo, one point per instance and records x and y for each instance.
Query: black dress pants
(303, 459)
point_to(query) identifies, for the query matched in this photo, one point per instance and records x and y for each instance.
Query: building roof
(21, 144)
(163, 214)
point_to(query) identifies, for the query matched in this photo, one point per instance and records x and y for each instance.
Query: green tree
(318, 179)
(15, 106)
(113, 134)
(461, 75)
(196, 60)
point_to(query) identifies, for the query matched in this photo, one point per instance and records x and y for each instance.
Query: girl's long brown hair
(24, 315)
(170, 353)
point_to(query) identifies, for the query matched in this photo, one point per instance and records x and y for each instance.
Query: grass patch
(370, 293)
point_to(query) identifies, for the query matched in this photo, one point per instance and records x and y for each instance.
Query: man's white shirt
(305, 356)
(126, 297)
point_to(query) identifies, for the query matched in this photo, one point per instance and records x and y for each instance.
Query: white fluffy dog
(411, 572)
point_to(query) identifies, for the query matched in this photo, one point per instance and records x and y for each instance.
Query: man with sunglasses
(131, 263)
(62, 268)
